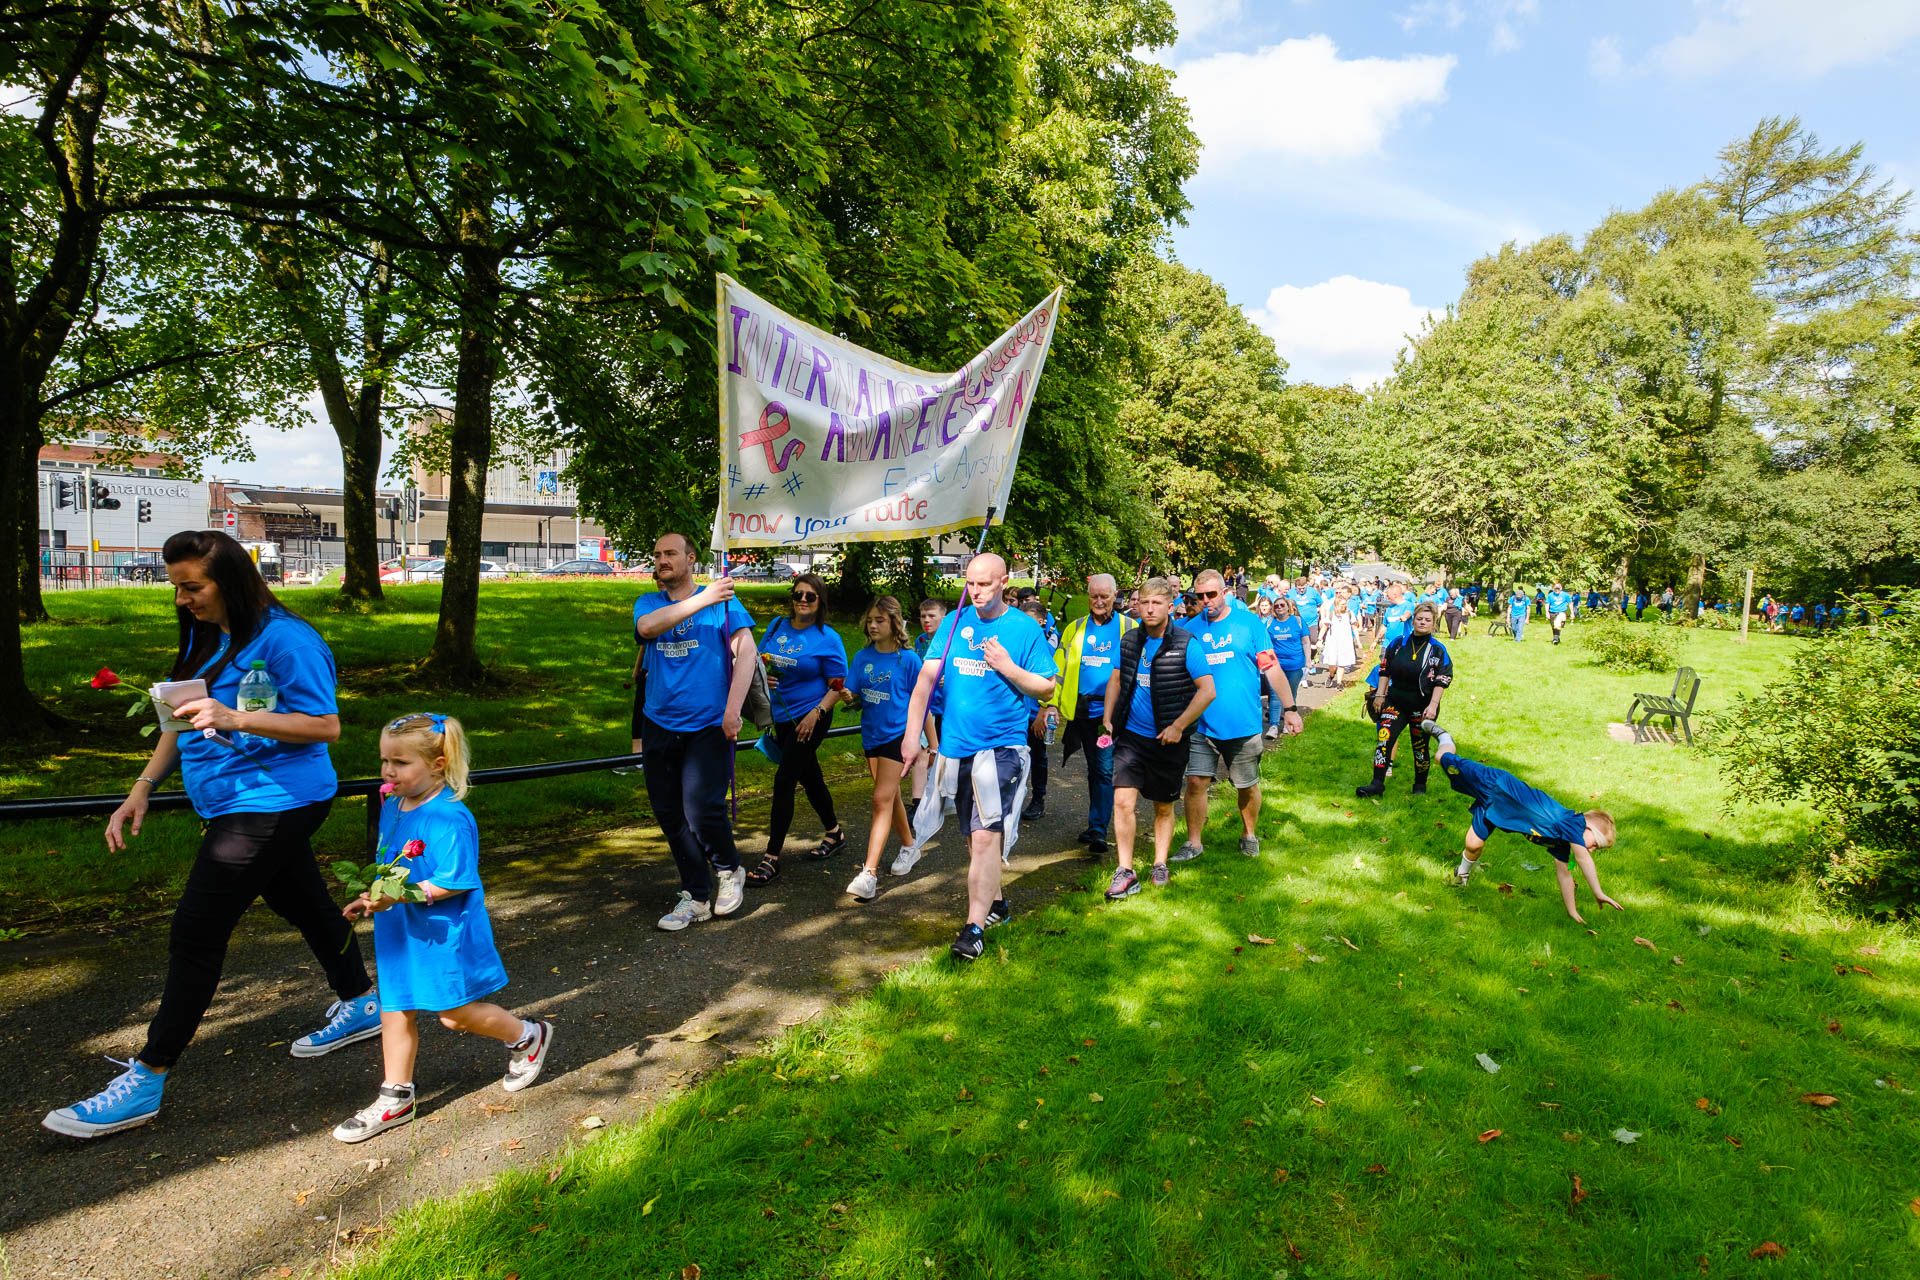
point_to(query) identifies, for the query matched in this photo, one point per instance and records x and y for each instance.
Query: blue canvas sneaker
(348, 1021)
(133, 1098)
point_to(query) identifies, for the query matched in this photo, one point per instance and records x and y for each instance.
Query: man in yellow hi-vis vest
(1088, 650)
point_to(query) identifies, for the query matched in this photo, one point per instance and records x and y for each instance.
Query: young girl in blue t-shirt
(881, 680)
(436, 955)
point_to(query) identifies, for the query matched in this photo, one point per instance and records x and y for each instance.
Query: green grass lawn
(1146, 1089)
(561, 652)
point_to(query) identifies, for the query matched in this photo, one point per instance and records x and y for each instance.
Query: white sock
(528, 1030)
(1446, 742)
(1467, 865)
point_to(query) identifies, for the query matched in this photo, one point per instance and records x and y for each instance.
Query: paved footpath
(240, 1174)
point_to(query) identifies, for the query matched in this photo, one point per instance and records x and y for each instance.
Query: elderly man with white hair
(995, 665)
(1085, 658)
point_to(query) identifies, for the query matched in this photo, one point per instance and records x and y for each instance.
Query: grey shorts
(1239, 757)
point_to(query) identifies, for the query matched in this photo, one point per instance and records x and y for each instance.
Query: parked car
(775, 572)
(415, 570)
(576, 568)
(488, 569)
(947, 566)
(144, 566)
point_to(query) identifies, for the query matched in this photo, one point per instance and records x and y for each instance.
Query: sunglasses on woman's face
(806, 597)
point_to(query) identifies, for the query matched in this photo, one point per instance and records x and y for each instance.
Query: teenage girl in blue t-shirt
(262, 782)
(435, 956)
(881, 679)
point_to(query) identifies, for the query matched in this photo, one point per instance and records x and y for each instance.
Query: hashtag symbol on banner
(733, 474)
(792, 483)
(754, 491)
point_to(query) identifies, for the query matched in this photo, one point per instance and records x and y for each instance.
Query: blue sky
(1360, 155)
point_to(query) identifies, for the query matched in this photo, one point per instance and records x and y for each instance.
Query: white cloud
(1439, 13)
(1300, 99)
(305, 456)
(1603, 57)
(1503, 16)
(1341, 330)
(1791, 35)
(1195, 16)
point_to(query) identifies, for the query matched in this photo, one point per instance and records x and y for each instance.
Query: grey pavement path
(240, 1175)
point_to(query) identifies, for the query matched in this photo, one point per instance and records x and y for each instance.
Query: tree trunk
(856, 585)
(359, 516)
(20, 715)
(1620, 578)
(32, 608)
(454, 658)
(1696, 584)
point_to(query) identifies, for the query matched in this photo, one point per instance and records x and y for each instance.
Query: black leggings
(799, 766)
(244, 856)
(1392, 721)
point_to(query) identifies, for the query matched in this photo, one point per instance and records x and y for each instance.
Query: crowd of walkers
(1164, 694)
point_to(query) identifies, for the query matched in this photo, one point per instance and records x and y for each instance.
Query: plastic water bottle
(256, 689)
(1053, 725)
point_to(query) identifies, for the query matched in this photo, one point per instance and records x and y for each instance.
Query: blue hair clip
(439, 722)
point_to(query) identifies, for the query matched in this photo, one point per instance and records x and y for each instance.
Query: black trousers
(244, 856)
(687, 775)
(799, 768)
(1392, 721)
(1037, 749)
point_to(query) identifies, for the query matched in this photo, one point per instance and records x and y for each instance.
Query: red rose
(105, 679)
(413, 848)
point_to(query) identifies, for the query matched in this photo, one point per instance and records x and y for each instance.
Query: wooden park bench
(1500, 626)
(1670, 706)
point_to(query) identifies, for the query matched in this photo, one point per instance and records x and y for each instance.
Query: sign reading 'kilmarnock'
(822, 441)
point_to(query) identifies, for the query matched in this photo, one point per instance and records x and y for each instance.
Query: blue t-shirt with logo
(256, 774)
(1099, 649)
(1501, 802)
(1557, 601)
(1308, 603)
(690, 666)
(984, 709)
(1516, 605)
(1140, 710)
(1399, 622)
(937, 700)
(435, 956)
(1231, 646)
(1289, 636)
(804, 659)
(883, 683)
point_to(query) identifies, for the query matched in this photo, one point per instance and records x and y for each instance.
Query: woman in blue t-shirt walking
(262, 781)
(806, 669)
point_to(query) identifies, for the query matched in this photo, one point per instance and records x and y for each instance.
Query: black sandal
(828, 847)
(766, 873)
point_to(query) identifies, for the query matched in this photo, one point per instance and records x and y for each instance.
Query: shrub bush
(1842, 728)
(1620, 645)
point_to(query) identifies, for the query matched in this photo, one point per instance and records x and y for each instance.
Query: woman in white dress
(1337, 650)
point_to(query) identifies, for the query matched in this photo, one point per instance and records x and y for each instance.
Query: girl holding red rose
(437, 955)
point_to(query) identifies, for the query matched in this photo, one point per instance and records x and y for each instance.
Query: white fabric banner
(823, 441)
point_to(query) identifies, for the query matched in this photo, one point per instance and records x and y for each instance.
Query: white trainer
(526, 1064)
(865, 886)
(907, 859)
(730, 892)
(685, 912)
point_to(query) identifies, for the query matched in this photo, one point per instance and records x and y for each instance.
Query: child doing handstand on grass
(436, 955)
(1501, 802)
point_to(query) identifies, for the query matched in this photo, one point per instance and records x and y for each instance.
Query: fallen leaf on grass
(1702, 1104)
(769, 1212)
(1768, 1250)
(1292, 1251)
(1569, 1137)
(1678, 960)
(1259, 941)
(1489, 1135)
(593, 1122)
(1487, 1064)
(1676, 1006)
(690, 1272)
(1281, 1175)
(1579, 1193)
(1625, 1136)
(1350, 945)
(1914, 1204)
(1088, 1043)
(1863, 969)
(1593, 933)
(1735, 1141)
(647, 1208)
(1318, 1102)
(1833, 1026)
(1642, 942)
(536, 1228)
(1819, 1099)
(1376, 1168)
(1316, 959)
(1869, 951)
(1550, 1106)
(1094, 1097)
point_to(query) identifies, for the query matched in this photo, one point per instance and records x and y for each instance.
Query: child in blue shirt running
(437, 955)
(1501, 802)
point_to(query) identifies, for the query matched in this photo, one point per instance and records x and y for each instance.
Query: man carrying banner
(700, 659)
(991, 659)
(1085, 659)
(1239, 656)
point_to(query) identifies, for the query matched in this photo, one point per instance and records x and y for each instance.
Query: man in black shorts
(1157, 691)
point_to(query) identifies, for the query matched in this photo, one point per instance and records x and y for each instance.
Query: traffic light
(146, 512)
(66, 494)
(413, 505)
(391, 509)
(103, 499)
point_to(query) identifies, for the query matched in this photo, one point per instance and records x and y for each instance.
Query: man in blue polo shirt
(1558, 602)
(995, 664)
(1239, 657)
(700, 660)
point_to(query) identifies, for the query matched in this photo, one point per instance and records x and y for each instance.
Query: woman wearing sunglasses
(806, 669)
